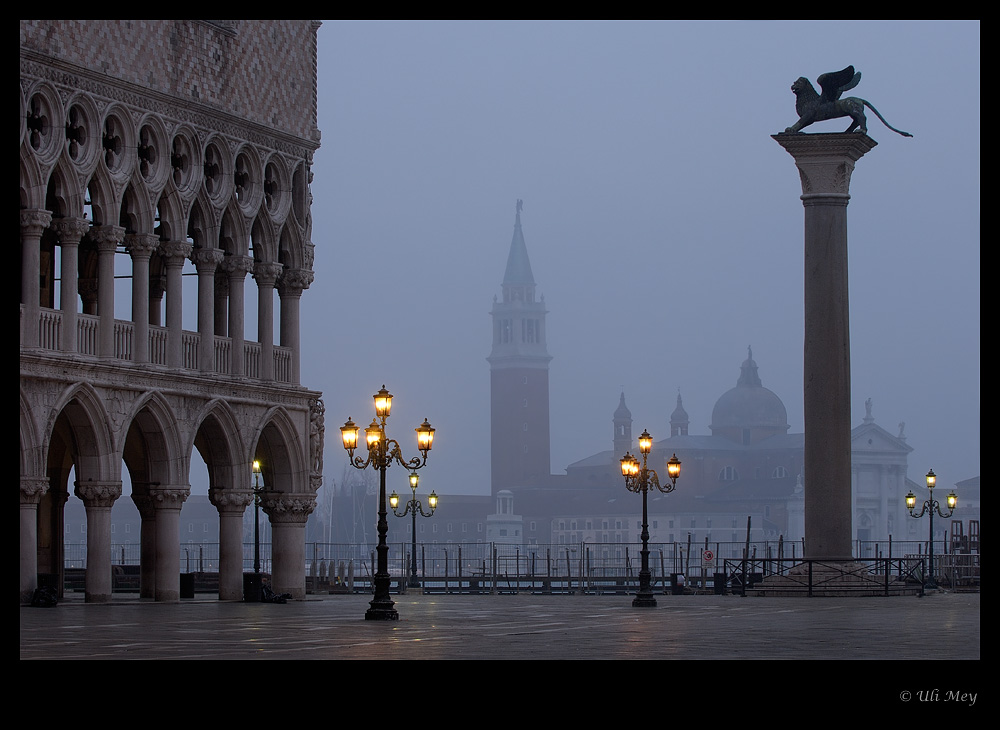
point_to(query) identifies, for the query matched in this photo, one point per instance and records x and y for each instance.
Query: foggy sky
(663, 224)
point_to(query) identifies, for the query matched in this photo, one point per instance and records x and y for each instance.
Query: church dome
(749, 412)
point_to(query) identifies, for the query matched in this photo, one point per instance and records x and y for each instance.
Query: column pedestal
(825, 163)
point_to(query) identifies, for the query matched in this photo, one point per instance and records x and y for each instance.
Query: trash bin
(251, 587)
(676, 584)
(719, 583)
(187, 585)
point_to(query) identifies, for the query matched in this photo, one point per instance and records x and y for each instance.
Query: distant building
(745, 475)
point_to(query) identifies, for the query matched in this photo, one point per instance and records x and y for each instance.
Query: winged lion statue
(812, 107)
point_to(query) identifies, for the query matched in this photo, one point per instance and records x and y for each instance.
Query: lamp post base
(644, 600)
(381, 610)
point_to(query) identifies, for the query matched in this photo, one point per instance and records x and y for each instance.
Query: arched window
(728, 474)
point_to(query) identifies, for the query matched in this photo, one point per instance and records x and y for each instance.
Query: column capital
(174, 252)
(32, 489)
(825, 161)
(70, 230)
(289, 508)
(237, 266)
(293, 281)
(169, 496)
(230, 500)
(207, 259)
(143, 503)
(141, 245)
(35, 220)
(98, 494)
(107, 237)
(266, 273)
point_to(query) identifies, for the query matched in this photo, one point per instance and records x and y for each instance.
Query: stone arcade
(147, 147)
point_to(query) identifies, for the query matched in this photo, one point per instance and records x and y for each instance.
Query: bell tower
(519, 376)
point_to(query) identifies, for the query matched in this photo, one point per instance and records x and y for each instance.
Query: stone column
(825, 163)
(140, 247)
(237, 268)
(156, 290)
(167, 502)
(266, 274)
(174, 253)
(147, 541)
(32, 489)
(33, 225)
(70, 231)
(206, 260)
(288, 515)
(290, 287)
(221, 305)
(107, 239)
(231, 503)
(98, 498)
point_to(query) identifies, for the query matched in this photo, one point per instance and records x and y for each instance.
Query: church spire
(518, 281)
(679, 420)
(623, 428)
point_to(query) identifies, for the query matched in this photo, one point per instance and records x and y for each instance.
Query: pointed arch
(32, 456)
(63, 195)
(218, 440)
(263, 243)
(81, 421)
(152, 450)
(32, 190)
(290, 248)
(136, 215)
(279, 449)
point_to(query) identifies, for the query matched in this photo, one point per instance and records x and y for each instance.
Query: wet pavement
(520, 626)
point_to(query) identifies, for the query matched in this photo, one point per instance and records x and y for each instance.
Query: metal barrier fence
(558, 567)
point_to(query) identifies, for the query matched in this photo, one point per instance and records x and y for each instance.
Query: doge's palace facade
(148, 147)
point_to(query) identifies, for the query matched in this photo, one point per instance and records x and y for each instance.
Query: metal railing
(564, 568)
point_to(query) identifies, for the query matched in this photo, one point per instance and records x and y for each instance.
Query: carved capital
(825, 161)
(237, 266)
(144, 504)
(34, 221)
(168, 497)
(290, 508)
(141, 245)
(107, 238)
(293, 281)
(207, 259)
(32, 489)
(266, 273)
(174, 252)
(98, 494)
(230, 500)
(70, 230)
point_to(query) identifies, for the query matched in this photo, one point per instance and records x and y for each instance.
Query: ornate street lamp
(382, 451)
(413, 507)
(640, 479)
(931, 506)
(252, 591)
